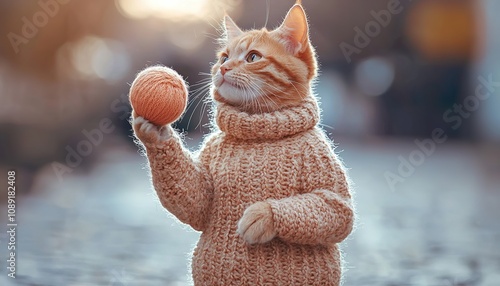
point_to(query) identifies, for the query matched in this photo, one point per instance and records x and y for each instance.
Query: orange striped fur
(279, 75)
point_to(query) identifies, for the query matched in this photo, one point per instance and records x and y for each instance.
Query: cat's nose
(224, 69)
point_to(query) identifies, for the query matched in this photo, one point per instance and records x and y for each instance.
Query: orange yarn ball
(159, 94)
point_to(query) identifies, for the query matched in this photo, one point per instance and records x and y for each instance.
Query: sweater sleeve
(182, 180)
(323, 213)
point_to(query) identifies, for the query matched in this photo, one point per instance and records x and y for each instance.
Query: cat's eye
(223, 58)
(253, 57)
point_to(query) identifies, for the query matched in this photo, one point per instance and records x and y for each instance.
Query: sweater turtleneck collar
(273, 125)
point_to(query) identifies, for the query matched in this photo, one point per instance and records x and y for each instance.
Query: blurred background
(410, 92)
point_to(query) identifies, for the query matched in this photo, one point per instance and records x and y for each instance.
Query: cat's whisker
(258, 93)
(202, 82)
(242, 82)
(251, 101)
(199, 92)
(212, 36)
(279, 95)
(272, 87)
(270, 100)
(329, 127)
(299, 83)
(253, 78)
(192, 113)
(257, 90)
(219, 28)
(292, 82)
(255, 96)
(205, 103)
(294, 86)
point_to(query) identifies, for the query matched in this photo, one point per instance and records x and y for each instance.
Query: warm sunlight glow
(185, 10)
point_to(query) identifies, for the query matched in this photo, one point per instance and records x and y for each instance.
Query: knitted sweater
(280, 157)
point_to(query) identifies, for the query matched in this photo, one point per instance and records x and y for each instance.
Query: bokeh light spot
(96, 58)
(374, 76)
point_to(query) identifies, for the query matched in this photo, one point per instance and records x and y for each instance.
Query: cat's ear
(294, 31)
(230, 28)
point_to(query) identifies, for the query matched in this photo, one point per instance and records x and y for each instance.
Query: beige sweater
(282, 158)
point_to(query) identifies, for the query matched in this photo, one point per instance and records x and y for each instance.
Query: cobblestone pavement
(441, 226)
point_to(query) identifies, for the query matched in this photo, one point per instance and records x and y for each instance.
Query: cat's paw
(149, 133)
(257, 223)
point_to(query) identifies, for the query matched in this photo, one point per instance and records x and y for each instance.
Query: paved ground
(440, 227)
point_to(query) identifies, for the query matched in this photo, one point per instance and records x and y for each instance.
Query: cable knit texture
(281, 158)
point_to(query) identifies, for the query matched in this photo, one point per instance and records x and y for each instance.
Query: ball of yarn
(159, 94)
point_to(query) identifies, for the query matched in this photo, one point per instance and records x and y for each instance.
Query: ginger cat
(268, 194)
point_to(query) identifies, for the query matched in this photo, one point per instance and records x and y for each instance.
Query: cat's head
(262, 71)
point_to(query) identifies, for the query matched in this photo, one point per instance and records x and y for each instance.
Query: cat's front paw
(149, 133)
(257, 223)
